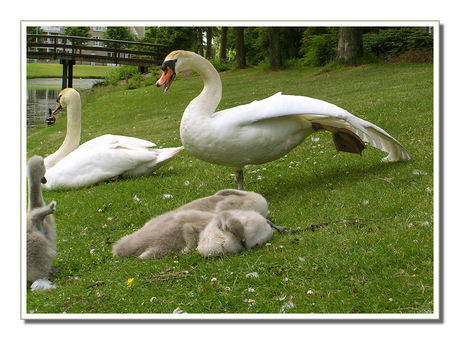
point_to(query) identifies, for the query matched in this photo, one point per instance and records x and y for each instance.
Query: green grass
(40, 70)
(381, 263)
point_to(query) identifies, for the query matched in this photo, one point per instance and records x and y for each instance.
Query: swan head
(64, 98)
(36, 170)
(168, 75)
(174, 63)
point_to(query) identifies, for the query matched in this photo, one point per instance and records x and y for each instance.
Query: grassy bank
(40, 70)
(362, 239)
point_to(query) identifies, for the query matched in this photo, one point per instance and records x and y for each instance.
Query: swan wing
(115, 141)
(88, 166)
(321, 115)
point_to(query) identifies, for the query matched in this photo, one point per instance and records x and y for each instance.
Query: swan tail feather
(378, 138)
(159, 157)
(168, 154)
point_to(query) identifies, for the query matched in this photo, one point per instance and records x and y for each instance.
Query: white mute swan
(264, 130)
(101, 158)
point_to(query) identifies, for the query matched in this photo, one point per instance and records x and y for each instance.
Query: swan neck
(72, 138)
(206, 102)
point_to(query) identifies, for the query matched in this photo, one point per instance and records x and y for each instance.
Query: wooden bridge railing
(69, 49)
(60, 47)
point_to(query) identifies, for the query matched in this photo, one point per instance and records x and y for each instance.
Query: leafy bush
(119, 73)
(321, 50)
(319, 46)
(392, 43)
(220, 65)
(135, 83)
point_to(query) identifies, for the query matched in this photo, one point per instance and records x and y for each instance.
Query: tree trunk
(199, 41)
(223, 44)
(239, 46)
(209, 43)
(350, 47)
(275, 48)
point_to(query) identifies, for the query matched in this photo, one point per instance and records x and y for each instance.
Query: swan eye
(169, 63)
(58, 98)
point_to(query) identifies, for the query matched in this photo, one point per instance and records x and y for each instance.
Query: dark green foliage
(177, 38)
(313, 46)
(220, 65)
(119, 73)
(118, 33)
(257, 45)
(396, 41)
(77, 31)
(319, 49)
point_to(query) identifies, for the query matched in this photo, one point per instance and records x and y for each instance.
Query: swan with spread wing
(264, 130)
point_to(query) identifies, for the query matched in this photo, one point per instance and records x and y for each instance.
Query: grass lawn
(361, 237)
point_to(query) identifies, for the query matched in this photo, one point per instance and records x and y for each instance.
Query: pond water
(42, 94)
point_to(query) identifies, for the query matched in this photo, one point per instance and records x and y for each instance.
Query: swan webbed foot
(282, 230)
(347, 141)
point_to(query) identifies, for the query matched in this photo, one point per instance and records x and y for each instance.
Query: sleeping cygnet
(231, 199)
(173, 232)
(232, 232)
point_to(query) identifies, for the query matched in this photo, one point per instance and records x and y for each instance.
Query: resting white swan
(101, 158)
(265, 130)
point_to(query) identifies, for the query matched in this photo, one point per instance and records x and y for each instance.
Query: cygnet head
(36, 170)
(65, 97)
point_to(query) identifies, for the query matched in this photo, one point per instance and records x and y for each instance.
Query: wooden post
(70, 64)
(67, 73)
(64, 73)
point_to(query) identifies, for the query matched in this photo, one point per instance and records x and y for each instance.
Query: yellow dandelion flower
(130, 282)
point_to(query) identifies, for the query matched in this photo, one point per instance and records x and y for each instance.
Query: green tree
(77, 31)
(275, 48)
(257, 43)
(34, 30)
(239, 47)
(118, 33)
(319, 46)
(350, 48)
(223, 44)
(388, 42)
(177, 38)
(208, 42)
